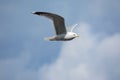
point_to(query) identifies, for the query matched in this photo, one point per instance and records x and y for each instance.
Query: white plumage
(59, 25)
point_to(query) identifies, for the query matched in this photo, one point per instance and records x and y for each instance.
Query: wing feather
(58, 21)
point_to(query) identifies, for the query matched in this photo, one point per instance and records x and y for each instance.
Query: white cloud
(111, 45)
(85, 58)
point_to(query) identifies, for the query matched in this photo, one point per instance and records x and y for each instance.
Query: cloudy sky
(25, 55)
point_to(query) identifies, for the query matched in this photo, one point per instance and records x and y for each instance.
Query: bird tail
(46, 39)
(49, 38)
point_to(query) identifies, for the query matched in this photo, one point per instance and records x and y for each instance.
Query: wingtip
(37, 13)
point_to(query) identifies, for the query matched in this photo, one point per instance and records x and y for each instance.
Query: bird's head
(75, 35)
(72, 35)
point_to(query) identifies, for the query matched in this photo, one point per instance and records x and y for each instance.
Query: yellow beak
(77, 36)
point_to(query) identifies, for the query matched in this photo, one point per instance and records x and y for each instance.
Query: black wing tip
(38, 13)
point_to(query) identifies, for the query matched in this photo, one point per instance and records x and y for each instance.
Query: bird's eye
(74, 34)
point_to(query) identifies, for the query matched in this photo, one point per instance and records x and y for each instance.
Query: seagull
(59, 24)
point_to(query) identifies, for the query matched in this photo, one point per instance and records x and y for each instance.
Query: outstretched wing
(58, 21)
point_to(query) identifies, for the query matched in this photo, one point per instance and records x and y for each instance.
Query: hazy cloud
(86, 58)
(16, 68)
(93, 56)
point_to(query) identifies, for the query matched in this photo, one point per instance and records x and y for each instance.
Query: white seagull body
(59, 25)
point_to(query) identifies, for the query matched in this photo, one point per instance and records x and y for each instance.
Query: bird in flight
(61, 33)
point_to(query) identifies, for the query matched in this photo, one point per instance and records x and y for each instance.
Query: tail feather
(50, 39)
(46, 39)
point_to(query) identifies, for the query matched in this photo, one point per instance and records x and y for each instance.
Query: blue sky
(24, 54)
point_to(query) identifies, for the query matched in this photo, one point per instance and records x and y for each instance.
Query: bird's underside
(62, 37)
